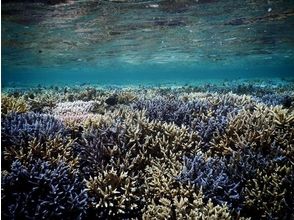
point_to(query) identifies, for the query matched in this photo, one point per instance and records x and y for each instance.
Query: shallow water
(169, 109)
(137, 42)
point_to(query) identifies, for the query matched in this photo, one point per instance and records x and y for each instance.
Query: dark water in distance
(125, 42)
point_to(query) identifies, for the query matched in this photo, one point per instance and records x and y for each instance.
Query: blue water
(126, 74)
(145, 42)
(156, 109)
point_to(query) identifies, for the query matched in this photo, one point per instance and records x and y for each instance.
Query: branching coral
(283, 117)
(78, 107)
(260, 138)
(134, 135)
(30, 136)
(269, 195)
(18, 126)
(259, 129)
(41, 100)
(10, 104)
(156, 153)
(126, 97)
(114, 194)
(169, 199)
(128, 144)
(206, 114)
(43, 191)
(284, 99)
(214, 177)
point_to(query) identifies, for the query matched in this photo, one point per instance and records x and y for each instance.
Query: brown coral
(12, 104)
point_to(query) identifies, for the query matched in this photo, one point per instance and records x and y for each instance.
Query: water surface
(139, 41)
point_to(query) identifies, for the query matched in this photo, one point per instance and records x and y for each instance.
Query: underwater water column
(133, 109)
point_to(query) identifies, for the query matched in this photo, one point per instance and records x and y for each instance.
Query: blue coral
(19, 128)
(117, 153)
(199, 115)
(33, 135)
(284, 99)
(43, 191)
(212, 175)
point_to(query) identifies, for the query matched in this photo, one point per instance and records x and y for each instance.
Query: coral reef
(43, 191)
(194, 152)
(11, 104)
(78, 107)
(213, 176)
(30, 136)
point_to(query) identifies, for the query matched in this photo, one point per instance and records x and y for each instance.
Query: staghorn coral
(77, 120)
(283, 117)
(158, 153)
(88, 94)
(169, 199)
(41, 100)
(18, 126)
(129, 143)
(114, 194)
(75, 114)
(97, 148)
(126, 97)
(11, 104)
(214, 177)
(260, 129)
(78, 107)
(30, 136)
(43, 191)
(263, 138)
(284, 99)
(206, 113)
(269, 195)
(132, 134)
(53, 150)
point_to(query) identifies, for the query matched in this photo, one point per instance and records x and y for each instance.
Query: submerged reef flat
(211, 151)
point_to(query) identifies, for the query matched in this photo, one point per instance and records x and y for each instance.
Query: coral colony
(207, 152)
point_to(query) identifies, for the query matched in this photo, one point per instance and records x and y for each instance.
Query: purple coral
(23, 127)
(284, 99)
(20, 132)
(199, 115)
(164, 109)
(43, 191)
(223, 179)
(95, 145)
(212, 175)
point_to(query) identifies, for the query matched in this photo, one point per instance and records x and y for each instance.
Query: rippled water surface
(129, 41)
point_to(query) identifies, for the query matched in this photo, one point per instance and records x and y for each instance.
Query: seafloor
(213, 151)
